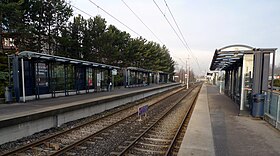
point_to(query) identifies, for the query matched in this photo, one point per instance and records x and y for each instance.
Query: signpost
(142, 111)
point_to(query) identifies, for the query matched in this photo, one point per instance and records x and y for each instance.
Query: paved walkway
(239, 135)
(14, 109)
(232, 135)
(198, 139)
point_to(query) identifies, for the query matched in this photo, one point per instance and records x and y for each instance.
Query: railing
(272, 108)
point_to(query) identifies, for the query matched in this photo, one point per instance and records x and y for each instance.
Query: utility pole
(188, 72)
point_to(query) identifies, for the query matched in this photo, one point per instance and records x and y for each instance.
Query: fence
(272, 108)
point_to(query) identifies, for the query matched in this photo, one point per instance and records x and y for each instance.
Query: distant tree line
(48, 26)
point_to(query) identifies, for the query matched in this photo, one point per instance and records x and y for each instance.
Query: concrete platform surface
(232, 135)
(24, 119)
(10, 111)
(198, 139)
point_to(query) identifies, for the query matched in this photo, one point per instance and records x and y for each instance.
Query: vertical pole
(277, 113)
(272, 79)
(76, 78)
(23, 83)
(9, 66)
(16, 77)
(49, 82)
(272, 72)
(113, 84)
(38, 80)
(128, 77)
(65, 80)
(187, 71)
(220, 82)
(109, 78)
(242, 83)
(87, 79)
(50, 78)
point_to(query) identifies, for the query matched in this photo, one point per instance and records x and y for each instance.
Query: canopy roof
(29, 55)
(227, 56)
(145, 70)
(139, 69)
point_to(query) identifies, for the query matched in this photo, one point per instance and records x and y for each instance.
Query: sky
(205, 24)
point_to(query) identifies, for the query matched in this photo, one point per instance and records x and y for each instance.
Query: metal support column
(23, 82)
(9, 66)
(113, 82)
(258, 71)
(65, 80)
(87, 78)
(38, 81)
(272, 72)
(16, 77)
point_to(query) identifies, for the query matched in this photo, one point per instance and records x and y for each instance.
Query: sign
(114, 72)
(98, 79)
(143, 110)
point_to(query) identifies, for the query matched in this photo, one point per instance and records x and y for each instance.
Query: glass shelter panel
(247, 81)
(89, 78)
(42, 83)
(70, 77)
(59, 79)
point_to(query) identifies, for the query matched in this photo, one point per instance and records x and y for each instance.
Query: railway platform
(216, 129)
(22, 119)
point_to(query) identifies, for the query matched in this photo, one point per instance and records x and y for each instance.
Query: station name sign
(143, 110)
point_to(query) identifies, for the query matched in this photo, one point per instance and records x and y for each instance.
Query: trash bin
(258, 105)
(8, 94)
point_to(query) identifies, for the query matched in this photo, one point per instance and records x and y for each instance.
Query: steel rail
(157, 121)
(169, 150)
(42, 141)
(75, 144)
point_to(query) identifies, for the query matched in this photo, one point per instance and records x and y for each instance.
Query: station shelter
(162, 77)
(135, 77)
(244, 71)
(36, 74)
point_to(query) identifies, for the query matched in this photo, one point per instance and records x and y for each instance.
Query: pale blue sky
(206, 24)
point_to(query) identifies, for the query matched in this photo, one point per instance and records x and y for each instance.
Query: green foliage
(3, 76)
(3, 82)
(3, 73)
(118, 80)
(93, 40)
(276, 83)
(43, 26)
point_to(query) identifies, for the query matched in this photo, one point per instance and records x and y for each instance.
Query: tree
(276, 83)
(57, 15)
(10, 24)
(93, 44)
(115, 45)
(76, 34)
(43, 26)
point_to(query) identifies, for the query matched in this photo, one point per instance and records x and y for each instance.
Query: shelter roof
(229, 55)
(41, 56)
(139, 69)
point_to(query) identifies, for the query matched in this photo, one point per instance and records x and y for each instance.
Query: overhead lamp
(225, 54)
(29, 56)
(235, 58)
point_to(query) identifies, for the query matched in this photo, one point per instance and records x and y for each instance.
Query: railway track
(109, 138)
(161, 137)
(64, 141)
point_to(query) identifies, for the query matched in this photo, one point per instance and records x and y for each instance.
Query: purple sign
(142, 110)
